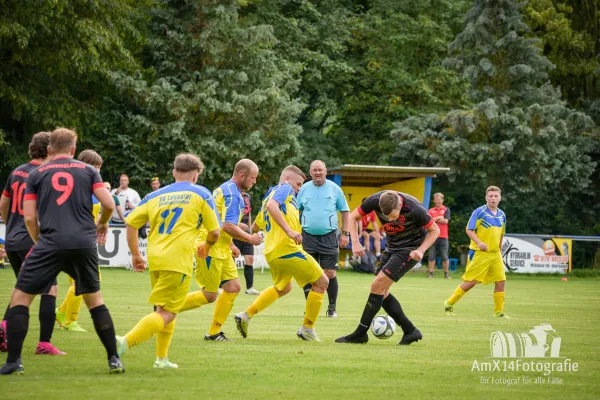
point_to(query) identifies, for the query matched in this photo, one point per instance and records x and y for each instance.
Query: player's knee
(211, 297)
(232, 286)
(378, 286)
(320, 286)
(53, 291)
(285, 291)
(167, 316)
(20, 298)
(93, 300)
(376, 235)
(330, 273)
(250, 260)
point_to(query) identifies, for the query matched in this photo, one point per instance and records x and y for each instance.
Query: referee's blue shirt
(320, 205)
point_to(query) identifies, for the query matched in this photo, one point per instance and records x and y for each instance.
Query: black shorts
(323, 248)
(42, 266)
(16, 259)
(395, 265)
(246, 249)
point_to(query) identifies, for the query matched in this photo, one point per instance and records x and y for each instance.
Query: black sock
(392, 307)
(105, 329)
(249, 275)
(332, 290)
(47, 316)
(371, 309)
(6, 312)
(306, 289)
(17, 323)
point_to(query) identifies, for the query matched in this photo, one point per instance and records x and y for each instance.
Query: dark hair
(38, 148)
(389, 201)
(90, 157)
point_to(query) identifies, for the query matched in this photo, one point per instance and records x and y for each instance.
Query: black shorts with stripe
(395, 265)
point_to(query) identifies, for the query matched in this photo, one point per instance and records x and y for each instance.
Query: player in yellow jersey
(68, 312)
(175, 212)
(219, 269)
(486, 229)
(279, 218)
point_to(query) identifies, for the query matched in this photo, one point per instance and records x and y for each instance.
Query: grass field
(273, 363)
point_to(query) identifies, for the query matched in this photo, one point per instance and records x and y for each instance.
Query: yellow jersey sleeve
(488, 226)
(138, 216)
(209, 219)
(95, 208)
(277, 242)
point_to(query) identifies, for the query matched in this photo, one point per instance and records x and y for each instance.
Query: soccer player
(486, 228)
(279, 218)
(410, 232)
(59, 195)
(247, 249)
(68, 312)
(175, 213)
(19, 243)
(219, 269)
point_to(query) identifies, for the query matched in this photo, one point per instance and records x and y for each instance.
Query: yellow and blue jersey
(176, 213)
(229, 205)
(488, 226)
(95, 208)
(277, 243)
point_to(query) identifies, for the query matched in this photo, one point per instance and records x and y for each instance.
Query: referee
(319, 201)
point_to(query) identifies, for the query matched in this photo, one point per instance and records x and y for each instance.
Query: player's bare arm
(357, 248)
(273, 208)
(137, 261)
(433, 233)
(473, 236)
(4, 207)
(344, 238)
(237, 233)
(211, 239)
(31, 219)
(235, 252)
(108, 205)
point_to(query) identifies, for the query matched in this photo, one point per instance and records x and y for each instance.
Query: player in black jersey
(18, 241)
(410, 232)
(58, 195)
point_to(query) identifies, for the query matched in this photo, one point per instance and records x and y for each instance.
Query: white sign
(536, 254)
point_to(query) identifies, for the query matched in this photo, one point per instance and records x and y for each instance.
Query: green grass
(273, 363)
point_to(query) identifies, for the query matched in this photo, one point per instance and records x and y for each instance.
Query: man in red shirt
(366, 233)
(441, 215)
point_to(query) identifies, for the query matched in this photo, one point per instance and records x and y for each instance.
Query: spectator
(319, 201)
(118, 207)
(128, 198)
(441, 215)
(155, 183)
(367, 234)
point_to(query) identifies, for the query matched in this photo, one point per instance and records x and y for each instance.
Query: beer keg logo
(541, 341)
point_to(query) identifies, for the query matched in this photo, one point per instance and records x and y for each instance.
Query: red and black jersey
(63, 189)
(17, 237)
(406, 232)
(247, 208)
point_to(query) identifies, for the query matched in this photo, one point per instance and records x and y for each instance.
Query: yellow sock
(313, 307)
(222, 310)
(498, 301)
(264, 300)
(68, 298)
(194, 300)
(163, 340)
(145, 329)
(456, 296)
(73, 307)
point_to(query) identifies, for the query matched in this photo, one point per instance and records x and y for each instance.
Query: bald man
(319, 201)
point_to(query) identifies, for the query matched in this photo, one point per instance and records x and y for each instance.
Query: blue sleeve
(232, 208)
(472, 225)
(299, 198)
(282, 193)
(342, 204)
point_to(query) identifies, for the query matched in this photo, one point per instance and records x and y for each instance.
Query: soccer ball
(383, 327)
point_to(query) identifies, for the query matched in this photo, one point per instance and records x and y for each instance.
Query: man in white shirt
(128, 197)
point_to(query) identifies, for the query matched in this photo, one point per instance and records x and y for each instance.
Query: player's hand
(256, 239)
(295, 236)
(101, 231)
(234, 251)
(2, 253)
(416, 255)
(244, 227)
(482, 246)
(138, 264)
(344, 241)
(357, 248)
(202, 251)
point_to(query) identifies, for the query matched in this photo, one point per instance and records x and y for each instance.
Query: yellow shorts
(300, 266)
(212, 272)
(72, 281)
(485, 267)
(169, 289)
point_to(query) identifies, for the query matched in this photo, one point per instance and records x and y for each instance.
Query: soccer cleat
(242, 320)
(353, 338)
(447, 275)
(500, 314)
(430, 275)
(13, 368)
(219, 337)
(122, 345)
(3, 343)
(61, 318)
(305, 333)
(164, 363)
(115, 366)
(408, 338)
(331, 311)
(48, 348)
(252, 291)
(73, 327)
(449, 309)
